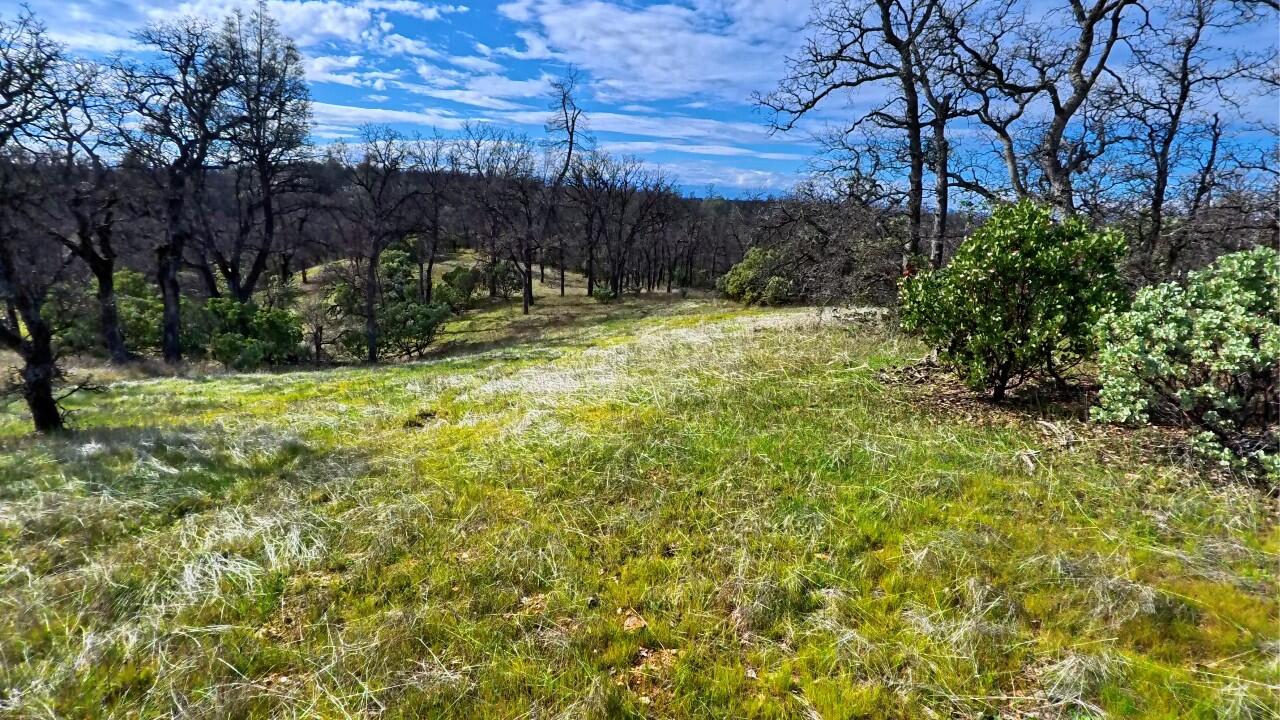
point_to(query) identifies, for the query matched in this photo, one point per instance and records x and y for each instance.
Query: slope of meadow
(651, 509)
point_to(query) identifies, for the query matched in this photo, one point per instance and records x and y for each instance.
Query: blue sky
(668, 82)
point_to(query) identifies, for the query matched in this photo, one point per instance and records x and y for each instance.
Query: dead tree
(858, 45)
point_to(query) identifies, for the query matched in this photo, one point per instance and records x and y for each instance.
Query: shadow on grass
(70, 495)
(937, 387)
(547, 323)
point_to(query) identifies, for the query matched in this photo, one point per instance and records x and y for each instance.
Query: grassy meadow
(667, 508)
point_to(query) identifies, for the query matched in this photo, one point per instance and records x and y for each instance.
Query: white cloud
(96, 42)
(344, 70)
(334, 119)
(697, 174)
(720, 48)
(493, 92)
(333, 69)
(669, 127)
(644, 147)
(412, 8)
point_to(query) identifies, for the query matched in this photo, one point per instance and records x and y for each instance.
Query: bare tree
(1011, 63)
(30, 264)
(436, 168)
(84, 205)
(180, 102)
(270, 96)
(860, 45)
(1176, 79)
(564, 131)
(380, 204)
(588, 190)
(504, 194)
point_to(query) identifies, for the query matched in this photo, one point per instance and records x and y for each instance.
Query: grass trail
(654, 509)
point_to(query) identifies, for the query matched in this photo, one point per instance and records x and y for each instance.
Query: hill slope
(677, 509)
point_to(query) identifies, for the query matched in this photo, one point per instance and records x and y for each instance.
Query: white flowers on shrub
(1205, 355)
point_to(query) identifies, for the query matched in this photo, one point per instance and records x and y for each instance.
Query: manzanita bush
(752, 281)
(1019, 299)
(1207, 355)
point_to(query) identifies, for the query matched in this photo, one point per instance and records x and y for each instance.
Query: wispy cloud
(641, 147)
(720, 48)
(345, 120)
(664, 80)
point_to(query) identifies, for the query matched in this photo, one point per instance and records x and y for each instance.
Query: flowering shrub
(1205, 355)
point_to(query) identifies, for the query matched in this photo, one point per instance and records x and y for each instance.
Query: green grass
(651, 509)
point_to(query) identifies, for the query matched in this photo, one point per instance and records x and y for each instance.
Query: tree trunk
(171, 318)
(431, 254)
(940, 166)
(915, 152)
(431, 265)
(109, 314)
(168, 262)
(527, 291)
(1001, 382)
(371, 309)
(38, 373)
(37, 389)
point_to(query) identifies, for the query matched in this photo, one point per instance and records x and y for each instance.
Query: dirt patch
(649, 676)
(420, 419)
(1060, 414)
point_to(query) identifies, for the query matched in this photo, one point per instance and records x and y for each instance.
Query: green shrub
(505, 279)
(141, 311)
(457, 288)
(1205, 355)
(604, 294)
(753, 282)
(409, 327)
(1019, 299)
(246, 336)
(406, 325)
(72, 312)
(777, 291)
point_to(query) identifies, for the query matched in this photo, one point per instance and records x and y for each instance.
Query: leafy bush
(604, 294)
(409, 327)
(776, 291)
(72, 312)
(753, 282)
(1205, 355)
(141, 311)
(246, 336)
(1019, 299)
(457, 288)
(406, 325)
(504, 277)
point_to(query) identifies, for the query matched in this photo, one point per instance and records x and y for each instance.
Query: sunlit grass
(654, 509)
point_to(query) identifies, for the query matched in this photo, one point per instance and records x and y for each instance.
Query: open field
(659, 508)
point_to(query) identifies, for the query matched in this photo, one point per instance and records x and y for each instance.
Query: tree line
(193, 168)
